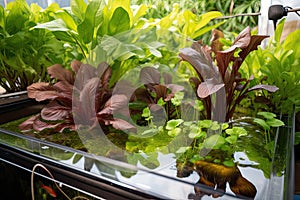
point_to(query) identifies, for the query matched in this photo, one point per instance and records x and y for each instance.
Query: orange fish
(49, 190)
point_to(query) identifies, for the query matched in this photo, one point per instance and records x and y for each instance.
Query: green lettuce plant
(84, 24)
(25, 54)
(277, 64)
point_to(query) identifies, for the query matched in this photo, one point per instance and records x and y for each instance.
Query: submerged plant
(83, 92)
(218, 73)
(267, 122)
(211, 156)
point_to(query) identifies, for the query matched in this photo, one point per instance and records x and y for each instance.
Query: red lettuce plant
(218, 73)
(83, 92)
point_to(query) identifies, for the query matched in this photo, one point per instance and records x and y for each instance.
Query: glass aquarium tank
(122, 105)
(36, 167)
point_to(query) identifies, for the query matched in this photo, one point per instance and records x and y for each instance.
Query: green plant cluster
(160, 9)
(112, 39)
(25, 53)
(33, 39)
(277, 64)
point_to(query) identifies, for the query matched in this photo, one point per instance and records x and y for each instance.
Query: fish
(49, 190)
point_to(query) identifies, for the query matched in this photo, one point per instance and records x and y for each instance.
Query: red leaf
(115, 103)
(54, 112)
(209, 87)
(28, 124)
(175, 88)
(167, 78)
(63, 126)
(121, 124)
(75, 65)
(150, 75)
(39, 125)
(254, 42)
(243, 39)
(269, 88)
(35, 88)
(42, 91)
(225, 57)
(200, 61)
(104, 71)
(216, 45)
(84, 74)
(87, 98)
(58, 72)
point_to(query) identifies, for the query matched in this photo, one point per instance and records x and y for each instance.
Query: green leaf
(120, 21)
(55, 25)
(206, 29)
(172, 124)
(67, 18)
(78, 7)
(225, 126)
(238, 131)
(87, 27)
(183, 149)
(206, 18)
(18, 14)
(215, 126)
(267, 115)
(274, 122)
(231, 139)
(140, 12)
(279, 29)
(228, 163)
(2, 16)
(198, 105)
(262, 123)
(214, 142)
(174, 132)
(146, 112)
(205, 123)
(161, 102)
(177, 99)
(196, 157)
(195, 132)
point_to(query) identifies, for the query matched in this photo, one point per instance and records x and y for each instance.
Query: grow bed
(86, 173)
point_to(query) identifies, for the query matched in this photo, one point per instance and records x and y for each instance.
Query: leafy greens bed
(138, 87)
